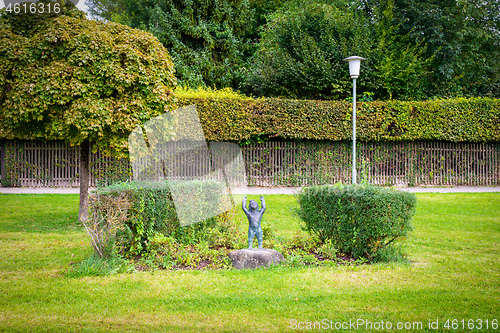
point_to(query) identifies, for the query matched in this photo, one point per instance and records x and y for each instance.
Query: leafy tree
(204, 38)
(301, 51)
(462, 38)
(416, 49)
(401, 68)
(80, 81)
(109, 10)
(262, 9)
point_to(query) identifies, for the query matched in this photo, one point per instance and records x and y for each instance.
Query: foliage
(106, 9)
(302, 47)
(79, 80)
(462, 40)
(107, 170)
(262, 9)
(242, 119)
(401, 69)
(209, 93)
(25, 24)
(204, 38)
(143, 211)
(415, 49)
(11, 166)
(300, 52)
(358, 220)
(146, 227)
(211, 251)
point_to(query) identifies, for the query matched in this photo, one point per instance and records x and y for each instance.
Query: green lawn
(454, 274)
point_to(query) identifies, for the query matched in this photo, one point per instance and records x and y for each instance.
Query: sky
(81, 5)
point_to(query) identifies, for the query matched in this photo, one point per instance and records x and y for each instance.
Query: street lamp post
(354, 65)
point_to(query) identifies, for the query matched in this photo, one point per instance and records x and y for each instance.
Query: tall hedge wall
(242, 118)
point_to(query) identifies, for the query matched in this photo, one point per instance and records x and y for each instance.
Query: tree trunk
(84, 180)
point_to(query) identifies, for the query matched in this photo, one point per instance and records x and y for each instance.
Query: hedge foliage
(359, 220)
(238, 118)
(139, 212)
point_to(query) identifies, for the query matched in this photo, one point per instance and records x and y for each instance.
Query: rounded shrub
(359, 220)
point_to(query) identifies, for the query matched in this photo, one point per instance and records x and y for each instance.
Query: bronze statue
(254, 216)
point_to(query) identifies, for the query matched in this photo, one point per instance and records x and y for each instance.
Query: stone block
(254, 258)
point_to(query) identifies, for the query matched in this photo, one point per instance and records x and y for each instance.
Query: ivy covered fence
(279, 163)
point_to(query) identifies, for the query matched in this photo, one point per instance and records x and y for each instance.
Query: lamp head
(354, 65)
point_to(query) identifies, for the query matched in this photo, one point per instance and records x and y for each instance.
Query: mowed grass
(454, 274)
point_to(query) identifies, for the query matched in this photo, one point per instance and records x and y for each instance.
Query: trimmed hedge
(358, 220)
(238, 118)
(140, 211)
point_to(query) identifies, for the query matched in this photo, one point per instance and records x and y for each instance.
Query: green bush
(139, 211)
(226, 117)
(358, 220)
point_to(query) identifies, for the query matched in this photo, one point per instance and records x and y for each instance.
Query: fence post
(2, 161)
